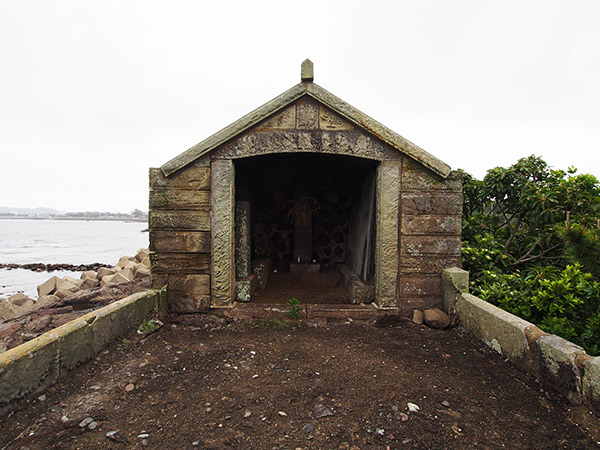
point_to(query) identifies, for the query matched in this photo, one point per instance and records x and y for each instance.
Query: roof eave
(328, 99)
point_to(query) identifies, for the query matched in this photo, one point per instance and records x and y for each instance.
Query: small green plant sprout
(294, 309)
(149, 326)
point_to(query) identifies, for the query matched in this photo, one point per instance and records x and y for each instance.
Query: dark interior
(339, 194)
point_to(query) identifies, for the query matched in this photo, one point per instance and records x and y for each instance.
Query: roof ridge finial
(306, 71)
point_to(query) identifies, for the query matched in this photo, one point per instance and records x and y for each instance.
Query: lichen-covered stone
(244, 288)
(556, 365)
(431, 225)
(179, 199)
(180, 241)
(189, 293)
(222, 233)
(193, 177)
(386, 249)
(180, 220)
(591, 384)
(243, 249)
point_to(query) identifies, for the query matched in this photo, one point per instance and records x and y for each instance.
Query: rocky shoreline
(62, 299)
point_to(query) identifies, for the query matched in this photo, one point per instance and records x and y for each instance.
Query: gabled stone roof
(307, 87)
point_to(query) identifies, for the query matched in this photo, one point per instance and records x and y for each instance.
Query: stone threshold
(306, 311)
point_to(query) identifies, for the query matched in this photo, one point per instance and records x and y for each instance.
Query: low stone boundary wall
(551, 359)
(28, 369)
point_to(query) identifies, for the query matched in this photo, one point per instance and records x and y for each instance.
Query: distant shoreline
(115, 218)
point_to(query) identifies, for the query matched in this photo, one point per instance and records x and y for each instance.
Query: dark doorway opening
(308, 222)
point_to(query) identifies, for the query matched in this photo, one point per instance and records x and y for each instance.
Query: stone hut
(305, 186)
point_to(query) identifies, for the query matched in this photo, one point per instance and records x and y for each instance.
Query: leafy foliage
(531, 242)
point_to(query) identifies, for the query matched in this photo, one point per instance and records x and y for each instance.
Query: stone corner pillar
(387, 262)
(455, 281)
(222, 243)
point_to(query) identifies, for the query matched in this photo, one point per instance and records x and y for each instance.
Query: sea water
(25, 241)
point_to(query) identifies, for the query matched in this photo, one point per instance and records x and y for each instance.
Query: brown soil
(312, 288)
(206, 382)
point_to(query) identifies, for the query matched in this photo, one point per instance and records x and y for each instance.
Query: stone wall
(430, 234)
(179, 221)
(554, 361)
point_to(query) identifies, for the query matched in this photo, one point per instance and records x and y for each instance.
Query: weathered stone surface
(499, 329)
(439, 203)
(180, 262)
(591, 384)
(146, 262)
(75, 281)
(356, 291)
(386, 248)
(66, 285)
(126, 273)
(344, 142)
(455, 281)
(243, 243)
(141, 254)
(189, 293)
(159, 280)
(107, 279)
(60, 293)
(430, 245)
(328, 120)
(47, 287)
(179, 199)
(45, 300)
(104, 271)
(430, 225)
(180, 241)
(284, 120)
(141, 271)
(89, 283)
(15, 305)
(556, 365)
(436, 318)
(222, 233)
(180, 220)
(410, 264)
(244, 288)
(421, 285)
(89, 274)
(416, 177)
(120, 277)
(123, 261)
(418, 317)
(192, 177)
(307, 73)
(307, 114)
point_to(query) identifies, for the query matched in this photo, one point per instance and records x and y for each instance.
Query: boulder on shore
(15, 305)
(47, 287)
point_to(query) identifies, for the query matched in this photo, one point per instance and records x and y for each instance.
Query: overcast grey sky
(93, 93)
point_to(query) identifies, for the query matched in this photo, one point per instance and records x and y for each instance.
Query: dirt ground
(315, 288)
(205, 382)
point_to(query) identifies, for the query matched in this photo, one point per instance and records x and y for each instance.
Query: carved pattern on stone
(307, 116)
(328, 120)
(352, 143)
(284, 120)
